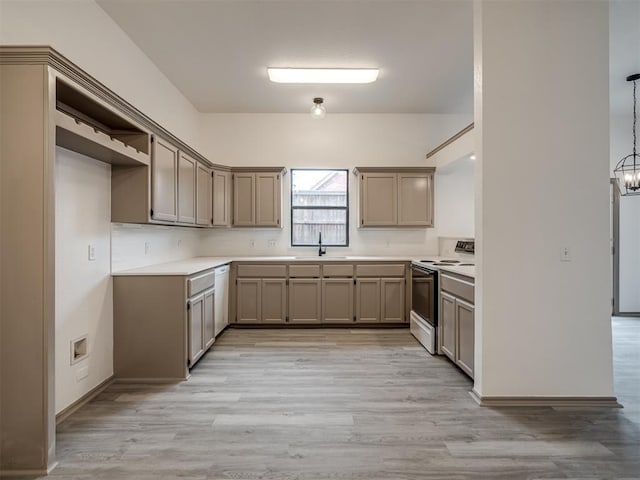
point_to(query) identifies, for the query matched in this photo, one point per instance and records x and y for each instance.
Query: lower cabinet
(305, 304)
(200, 324)
(261, 300)
(456, 323)
(162, 324)
(380, 300)
(337, 300)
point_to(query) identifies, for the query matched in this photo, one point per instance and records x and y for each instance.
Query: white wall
(621, 146)
(84, 301)
(81, 31)
(542, 326)
(340, 141)
(135, 246)
(455, 199)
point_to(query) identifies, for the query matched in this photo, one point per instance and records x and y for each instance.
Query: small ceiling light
(318, 111)
(472, 157)
(322, 75)
(627, 171)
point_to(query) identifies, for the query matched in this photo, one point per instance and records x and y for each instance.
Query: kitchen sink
(318, 257)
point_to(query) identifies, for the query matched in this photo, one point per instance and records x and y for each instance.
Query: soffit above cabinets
(217, 52)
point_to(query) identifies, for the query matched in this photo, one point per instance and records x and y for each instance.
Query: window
(319, 205)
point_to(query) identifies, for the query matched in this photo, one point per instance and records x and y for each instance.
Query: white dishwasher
(221, 299)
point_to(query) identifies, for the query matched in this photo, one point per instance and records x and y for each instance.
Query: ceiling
(216, 52)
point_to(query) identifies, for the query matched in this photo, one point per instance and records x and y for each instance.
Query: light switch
(147, 246)
(565, 254)
(92, 252)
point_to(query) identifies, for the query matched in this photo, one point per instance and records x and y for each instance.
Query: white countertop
(197, 264)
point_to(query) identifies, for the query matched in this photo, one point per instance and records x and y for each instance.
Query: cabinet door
(244, 199)
(274, 300)
(186, 189)
(248, 294)
(221, 198)
(203, 195)
(415, 199)
(195, 328)
(368, 300)
(268, 199)
(447, 329)
(209, 318)
(378, 199)
(392, 300)
(304, 300)
(221, 315)
(337, 300)
(464, 336)
(164, 181)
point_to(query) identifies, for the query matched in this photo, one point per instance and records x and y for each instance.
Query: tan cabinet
(268, 206)
(221, 198)
(244, 199)
(164, 181)
(368, 300)
(392, 300)
(195, 327)
(465, 336)
(257, 199)
(415, 207)
(274, 300)
(305, 300)
(248, 300)
(396, 196)
(448, 325)
(337, 300)
(378, 199)
(208, 327)
(186, 188)
(203, 195)
(457, 322)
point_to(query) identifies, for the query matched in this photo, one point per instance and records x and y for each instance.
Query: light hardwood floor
(343, 404)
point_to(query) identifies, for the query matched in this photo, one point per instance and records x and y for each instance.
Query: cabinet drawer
(304, 270)
(458, 287)
(391, 270)
(200, 282)
(337, 270)
(260, 271)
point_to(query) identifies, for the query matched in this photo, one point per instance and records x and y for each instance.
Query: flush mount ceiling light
(318, 111)
(627, 171)
(322, 75)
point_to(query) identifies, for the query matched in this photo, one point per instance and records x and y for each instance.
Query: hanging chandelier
(627, 171)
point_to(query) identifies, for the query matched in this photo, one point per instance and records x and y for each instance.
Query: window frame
(334, 207)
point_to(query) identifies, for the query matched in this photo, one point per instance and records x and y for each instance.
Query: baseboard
(83, 400)
(311, 326)
(151, 380)
(627, 314)
(572, 402)
(29, 473)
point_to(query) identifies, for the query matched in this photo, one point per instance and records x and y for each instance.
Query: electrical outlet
(147, 247)
(92, 252)
(179, 242)
(272, 243)
(565, 254)
(252, 243)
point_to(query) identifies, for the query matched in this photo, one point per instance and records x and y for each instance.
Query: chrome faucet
(321, 250)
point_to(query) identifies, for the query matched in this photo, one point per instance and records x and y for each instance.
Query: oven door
(423, 290)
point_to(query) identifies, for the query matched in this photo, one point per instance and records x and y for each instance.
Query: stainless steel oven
(424, 310)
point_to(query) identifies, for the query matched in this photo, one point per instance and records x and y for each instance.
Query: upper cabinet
(164, 181)
(257, 197)
(221, 198)
(395, 197)
(187, 167)
(204, 183)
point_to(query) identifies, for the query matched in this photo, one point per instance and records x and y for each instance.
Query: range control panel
(466, 246)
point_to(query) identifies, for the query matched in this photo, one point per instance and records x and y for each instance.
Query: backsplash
(135, 246)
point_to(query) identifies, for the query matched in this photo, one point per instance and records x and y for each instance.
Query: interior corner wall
(544, 324)
(338, 141)
(84, 296)
(85, 34)
(455, 198)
